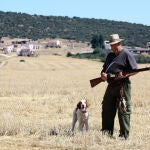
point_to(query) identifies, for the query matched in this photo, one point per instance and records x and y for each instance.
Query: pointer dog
(81, 114)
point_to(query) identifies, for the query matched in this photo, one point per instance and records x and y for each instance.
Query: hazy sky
(134, 11)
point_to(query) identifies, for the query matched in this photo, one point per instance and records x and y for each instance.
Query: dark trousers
(109, 109)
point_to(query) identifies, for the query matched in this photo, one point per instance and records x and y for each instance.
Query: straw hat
(114, 39)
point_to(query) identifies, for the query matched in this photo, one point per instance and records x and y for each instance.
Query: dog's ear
(79, 105)
(87, 103)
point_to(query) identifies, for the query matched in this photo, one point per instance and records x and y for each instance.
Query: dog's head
(83, 104)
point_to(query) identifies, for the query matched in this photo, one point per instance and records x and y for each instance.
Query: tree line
(22, 25)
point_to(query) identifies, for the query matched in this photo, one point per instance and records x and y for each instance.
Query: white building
(107, 45)
(8, 49)
(148, 45)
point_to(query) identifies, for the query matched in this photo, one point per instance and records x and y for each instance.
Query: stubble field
(37, 98)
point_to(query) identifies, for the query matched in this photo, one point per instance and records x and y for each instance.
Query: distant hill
(23, 25)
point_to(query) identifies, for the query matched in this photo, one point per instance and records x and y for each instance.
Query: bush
(98, 54)
(69, 54)
(142, 59)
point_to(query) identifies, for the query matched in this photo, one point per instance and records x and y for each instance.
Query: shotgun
(98, 80)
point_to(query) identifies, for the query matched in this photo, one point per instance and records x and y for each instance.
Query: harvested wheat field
(37, 98)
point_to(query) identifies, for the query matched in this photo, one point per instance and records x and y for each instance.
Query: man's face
(115, 47)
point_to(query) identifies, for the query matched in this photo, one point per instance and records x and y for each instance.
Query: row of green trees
(100, 53)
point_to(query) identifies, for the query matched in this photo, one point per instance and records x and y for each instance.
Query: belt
(118, 82)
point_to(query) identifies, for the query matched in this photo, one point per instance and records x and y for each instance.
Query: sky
(133, 11)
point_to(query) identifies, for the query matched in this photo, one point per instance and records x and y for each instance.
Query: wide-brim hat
(114, 39)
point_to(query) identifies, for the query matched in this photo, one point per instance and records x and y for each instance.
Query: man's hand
(120, 75)
(104, 76)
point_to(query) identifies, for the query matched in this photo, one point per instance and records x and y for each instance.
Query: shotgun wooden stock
(98, 80)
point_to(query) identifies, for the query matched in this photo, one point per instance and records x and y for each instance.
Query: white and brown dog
(81, 114)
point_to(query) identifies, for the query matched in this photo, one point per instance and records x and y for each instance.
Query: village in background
(28, 47)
